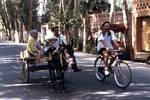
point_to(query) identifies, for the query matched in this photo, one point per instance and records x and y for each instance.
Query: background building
(141, 28)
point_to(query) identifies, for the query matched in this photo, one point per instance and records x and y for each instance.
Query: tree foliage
(15, 13)
(23, 14)
(28, 13)
(94, 6)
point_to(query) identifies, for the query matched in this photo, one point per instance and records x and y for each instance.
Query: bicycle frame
(117, 58)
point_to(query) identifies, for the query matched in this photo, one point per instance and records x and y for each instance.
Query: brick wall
(94, 21)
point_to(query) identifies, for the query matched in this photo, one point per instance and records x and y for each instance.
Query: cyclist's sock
(106, 71)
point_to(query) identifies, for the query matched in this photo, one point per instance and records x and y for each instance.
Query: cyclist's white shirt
(107, 40)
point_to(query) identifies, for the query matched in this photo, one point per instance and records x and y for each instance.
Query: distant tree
(51, 12)
(16, 13)
(29, 14)
(94, 6)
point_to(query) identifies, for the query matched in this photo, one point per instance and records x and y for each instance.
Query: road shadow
(81, 85)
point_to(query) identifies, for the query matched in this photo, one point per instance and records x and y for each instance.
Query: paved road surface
(81, 86)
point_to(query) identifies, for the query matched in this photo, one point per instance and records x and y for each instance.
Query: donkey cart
(31, 64)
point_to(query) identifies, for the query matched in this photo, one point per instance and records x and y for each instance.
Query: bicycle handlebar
(117, 51)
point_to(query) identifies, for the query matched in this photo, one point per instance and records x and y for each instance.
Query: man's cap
(33, 31)
(54, 28)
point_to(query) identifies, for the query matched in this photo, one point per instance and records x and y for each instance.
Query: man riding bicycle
(106, 40)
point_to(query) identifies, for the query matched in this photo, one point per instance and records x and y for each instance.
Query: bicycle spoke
(122, 75)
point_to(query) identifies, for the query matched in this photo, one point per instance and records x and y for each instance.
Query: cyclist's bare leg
(111, 61)
(106, 55)
(112, 58)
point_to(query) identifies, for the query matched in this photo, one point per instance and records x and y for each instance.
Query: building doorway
(145, 31)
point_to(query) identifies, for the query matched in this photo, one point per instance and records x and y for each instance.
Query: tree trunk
(112, 11)
(21, 32)
(71, 5)
(84, 36)
(30, 15)
(67, 28)
(128, 36)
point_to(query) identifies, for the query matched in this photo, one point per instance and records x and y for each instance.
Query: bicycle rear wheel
(122, 74)
(99, 68)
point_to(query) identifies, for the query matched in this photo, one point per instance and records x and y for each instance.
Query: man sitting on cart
(33, 47)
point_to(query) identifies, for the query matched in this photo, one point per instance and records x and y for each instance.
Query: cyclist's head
(106, 26)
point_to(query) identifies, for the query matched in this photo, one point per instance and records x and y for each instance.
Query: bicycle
(120, 70)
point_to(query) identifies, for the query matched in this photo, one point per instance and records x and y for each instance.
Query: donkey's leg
(60, 73)
(74, 64)
(51, 72)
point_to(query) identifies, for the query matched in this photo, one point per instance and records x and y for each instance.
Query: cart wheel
(148, 60)
(25, 72)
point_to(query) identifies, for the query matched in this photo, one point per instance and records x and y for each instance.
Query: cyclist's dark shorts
(101, 51)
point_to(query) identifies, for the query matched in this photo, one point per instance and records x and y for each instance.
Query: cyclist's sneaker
(106, 71)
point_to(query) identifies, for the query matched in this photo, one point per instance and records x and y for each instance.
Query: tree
(112, 11)
(16, 13)
(129, 47)
(88, 7)
(28, 14)
(63, 13)
(5, 18)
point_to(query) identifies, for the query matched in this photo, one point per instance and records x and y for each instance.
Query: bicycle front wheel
(122, 74)
(99, 68)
